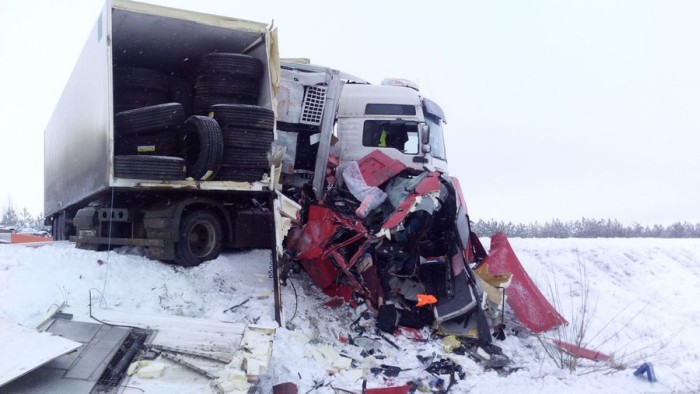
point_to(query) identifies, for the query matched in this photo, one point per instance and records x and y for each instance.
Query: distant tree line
(586, 228)
(20, 218)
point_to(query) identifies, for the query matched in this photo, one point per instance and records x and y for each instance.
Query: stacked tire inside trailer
(227, 139)
(247, 136)
(227, 78)
(146, 143)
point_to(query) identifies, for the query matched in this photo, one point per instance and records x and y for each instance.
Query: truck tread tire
(246, 158)
(149, 167)
(203, 102)
(227, 173)
(200, 238)
(165, 143)
(149, 119)
(128, 99)
(140, 78)
(232, 63)
(235, 137)
(222, 84)
(204, 147)
(244, 116)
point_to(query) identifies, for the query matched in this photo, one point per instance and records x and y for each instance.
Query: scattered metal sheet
(28, 350)
(79, 371)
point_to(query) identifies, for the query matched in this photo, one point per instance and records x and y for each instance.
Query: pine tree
(9, 216)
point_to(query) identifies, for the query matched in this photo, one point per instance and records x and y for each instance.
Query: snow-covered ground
(642, 302)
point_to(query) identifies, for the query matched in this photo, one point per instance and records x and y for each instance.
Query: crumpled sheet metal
(531, 307)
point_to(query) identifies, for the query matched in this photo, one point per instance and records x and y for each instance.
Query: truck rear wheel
(200, 239)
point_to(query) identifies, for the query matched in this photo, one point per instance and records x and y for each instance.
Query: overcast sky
(555, 109)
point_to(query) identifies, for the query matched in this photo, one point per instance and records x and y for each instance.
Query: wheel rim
(201, 239)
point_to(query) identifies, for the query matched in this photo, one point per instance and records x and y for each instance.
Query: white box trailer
(84, 197)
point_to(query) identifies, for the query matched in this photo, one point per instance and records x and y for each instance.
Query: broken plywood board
(29, 349)
(214, 338)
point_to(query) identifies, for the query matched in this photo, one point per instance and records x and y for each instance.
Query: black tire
(226, 85)
(181, 90)
(204, 147)
(149, 167)
(128, 99)
(60, 230)
(140, 78)
(149, 119)
(166, 143)
(239, 174)
(246, 158)
(232, 63)
(243, 116)
(199, 239)
(203, 102)
(235, 137)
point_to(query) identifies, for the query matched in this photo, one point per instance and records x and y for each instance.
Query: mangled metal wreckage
(399, 240)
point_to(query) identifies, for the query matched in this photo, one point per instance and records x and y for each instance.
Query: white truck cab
(318, 106)
(394, 118)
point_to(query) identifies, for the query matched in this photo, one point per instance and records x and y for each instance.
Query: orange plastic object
(426, 299)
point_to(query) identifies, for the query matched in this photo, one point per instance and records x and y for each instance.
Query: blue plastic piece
(648, 369)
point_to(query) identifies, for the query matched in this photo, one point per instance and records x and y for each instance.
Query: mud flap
(531, 307)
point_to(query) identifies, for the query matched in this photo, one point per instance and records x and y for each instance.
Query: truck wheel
(232, 63)
(149, 119)
(244, 116)
(227, 173)
(199, 239)
(58, 227)
(149, 167)
(235, 137)
(204, 147)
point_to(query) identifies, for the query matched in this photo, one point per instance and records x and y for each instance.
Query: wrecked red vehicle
(382, 223)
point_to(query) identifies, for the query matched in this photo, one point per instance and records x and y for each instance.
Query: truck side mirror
(424, 134)
(426, 148)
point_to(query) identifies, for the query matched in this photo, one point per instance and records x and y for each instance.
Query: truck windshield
(397, 134)
(436, 140)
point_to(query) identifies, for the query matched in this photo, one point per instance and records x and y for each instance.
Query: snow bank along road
(643, 301)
